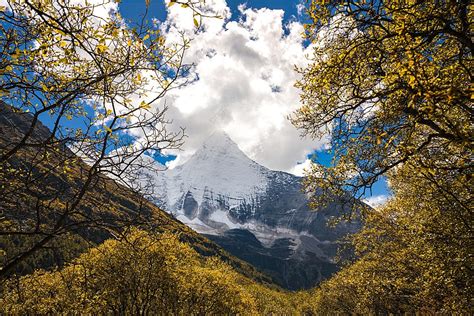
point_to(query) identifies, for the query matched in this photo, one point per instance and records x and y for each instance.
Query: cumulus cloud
(300, 7)
(376, 200)
(244, 73)
(301, 168)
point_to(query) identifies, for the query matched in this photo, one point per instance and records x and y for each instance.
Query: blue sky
(133, 9)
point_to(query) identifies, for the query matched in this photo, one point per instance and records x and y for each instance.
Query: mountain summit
(218, 168)
(219, 146)
(220, 141)
(259, 215)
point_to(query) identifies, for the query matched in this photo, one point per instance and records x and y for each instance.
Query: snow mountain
(257, 214)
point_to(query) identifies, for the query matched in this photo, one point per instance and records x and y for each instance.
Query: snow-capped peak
(219, 139)
(221, 151)
(219, 168)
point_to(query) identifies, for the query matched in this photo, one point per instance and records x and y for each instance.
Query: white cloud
(376, 200)
(301, 168)
(245, 87)
(300, 7)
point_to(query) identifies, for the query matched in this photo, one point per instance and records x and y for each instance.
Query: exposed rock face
(289, 268)
(259, 215)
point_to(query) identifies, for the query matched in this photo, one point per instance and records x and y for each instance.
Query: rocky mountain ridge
(259, 215)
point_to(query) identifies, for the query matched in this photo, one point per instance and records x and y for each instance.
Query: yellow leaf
(196, 23)
(101, 48)
(411, 80)
(171, 3)
(146, 37)
(145, 105)
(16, 54)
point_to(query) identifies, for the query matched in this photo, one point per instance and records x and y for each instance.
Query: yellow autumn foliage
(392, 83)
(414, 253)
(143, 274)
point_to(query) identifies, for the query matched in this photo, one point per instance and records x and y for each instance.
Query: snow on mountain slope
(220, 188)
(218, 168)
(221, 192)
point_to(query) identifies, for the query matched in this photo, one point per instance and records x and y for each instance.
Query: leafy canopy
(391, 81)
